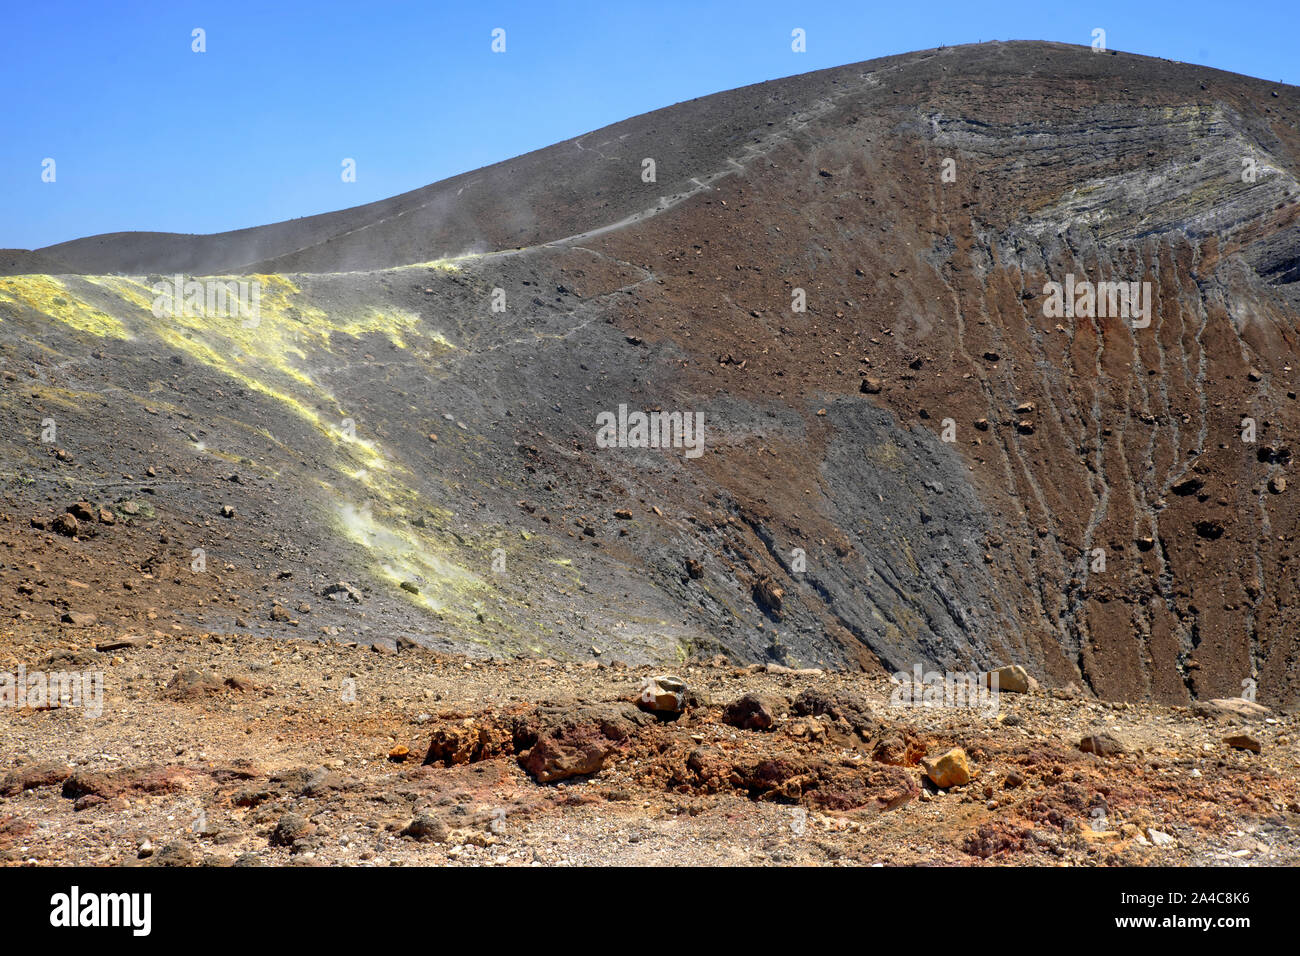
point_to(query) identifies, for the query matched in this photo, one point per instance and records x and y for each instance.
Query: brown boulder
(1102, 744)
(29, 778)
(750, 712)
(425, 828)
(173, 854)
(66, 525)
(291, 828)
(578, 754)
(467, 742)
(575, 743)
(87, 783)
(768, 595)
(1243, 742)
(188, 684)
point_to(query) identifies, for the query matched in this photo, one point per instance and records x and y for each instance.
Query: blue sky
(147, 134)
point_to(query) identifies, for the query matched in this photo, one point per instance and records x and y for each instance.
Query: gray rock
(290, 829)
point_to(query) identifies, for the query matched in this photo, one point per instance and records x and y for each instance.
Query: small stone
(290, 829)
(750, 712)
(1102, 744)
(342, 591)
(948, 770)
(174, 854)
(190, 684)
(1235, 707)
(1160, 839)
(66, 525)
(426, 829)
(123, 645)
(1011, 678)
(662, 694)
(1243, 742)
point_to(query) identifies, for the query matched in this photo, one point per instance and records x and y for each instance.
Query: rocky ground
(241, 750)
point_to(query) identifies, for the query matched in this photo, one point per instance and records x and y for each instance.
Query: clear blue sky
(149, 135)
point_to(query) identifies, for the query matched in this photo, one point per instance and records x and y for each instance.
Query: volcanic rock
(342, 591)
(1243, 742)
(951, 769)
(66, 525)
(189, 683)
(1011, 678)
(290, 828)
(750, 712)
(662, 695)
(1102, 744)
(1235, 707)
(426, 828)
(467, 742)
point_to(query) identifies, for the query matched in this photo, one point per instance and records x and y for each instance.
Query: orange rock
(951, 769)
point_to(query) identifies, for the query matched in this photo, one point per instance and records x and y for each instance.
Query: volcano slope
(923, 465)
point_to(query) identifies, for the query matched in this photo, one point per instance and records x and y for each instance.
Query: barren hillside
(926, 465)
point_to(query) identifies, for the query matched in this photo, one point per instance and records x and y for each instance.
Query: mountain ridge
(277, 246)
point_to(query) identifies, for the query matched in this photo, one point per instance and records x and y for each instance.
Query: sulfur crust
(271, 356)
